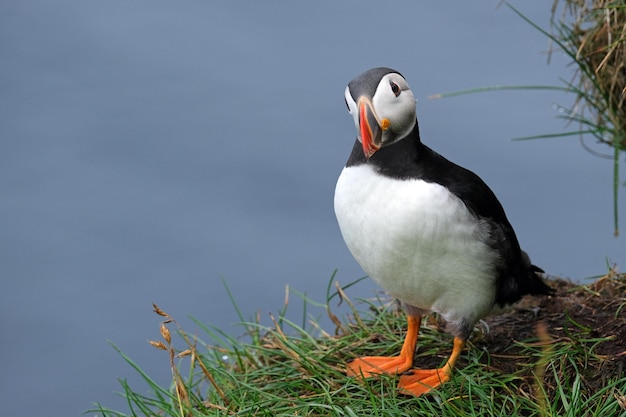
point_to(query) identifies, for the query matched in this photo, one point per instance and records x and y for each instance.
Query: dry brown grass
(594, 31)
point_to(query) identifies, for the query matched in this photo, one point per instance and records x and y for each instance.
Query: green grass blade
(497, 88)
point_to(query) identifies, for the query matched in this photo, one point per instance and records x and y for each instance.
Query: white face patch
(399, 109)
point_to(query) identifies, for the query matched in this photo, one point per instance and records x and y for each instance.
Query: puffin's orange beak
(370, 129)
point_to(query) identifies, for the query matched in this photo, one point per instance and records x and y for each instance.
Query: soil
(587, 323)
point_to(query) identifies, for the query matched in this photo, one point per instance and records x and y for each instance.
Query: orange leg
(421, 381)
(373, 365)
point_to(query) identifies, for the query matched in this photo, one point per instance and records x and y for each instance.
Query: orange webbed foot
(375, 365)
(420, 381)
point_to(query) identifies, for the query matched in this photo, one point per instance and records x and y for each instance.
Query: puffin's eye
(395, 89)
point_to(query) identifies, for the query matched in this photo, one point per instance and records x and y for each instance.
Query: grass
(592, 34)
(566, 366)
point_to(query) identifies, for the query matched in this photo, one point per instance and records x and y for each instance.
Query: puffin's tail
(525, 278)
(535, 284)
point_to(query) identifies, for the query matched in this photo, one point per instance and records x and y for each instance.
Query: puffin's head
(383, 108)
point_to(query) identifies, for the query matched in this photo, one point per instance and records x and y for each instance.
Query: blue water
(151, 149)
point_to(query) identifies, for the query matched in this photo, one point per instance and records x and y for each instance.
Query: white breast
(418, 241)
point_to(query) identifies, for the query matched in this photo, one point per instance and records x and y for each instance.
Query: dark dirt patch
(585, 323)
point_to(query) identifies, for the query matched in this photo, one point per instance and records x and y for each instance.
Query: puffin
(431, 233)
